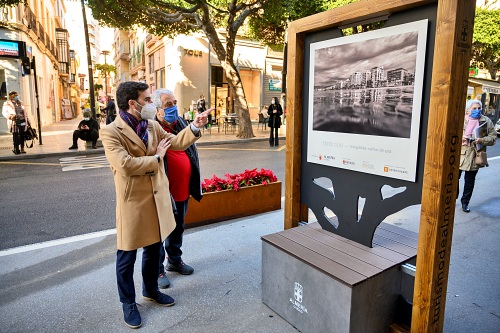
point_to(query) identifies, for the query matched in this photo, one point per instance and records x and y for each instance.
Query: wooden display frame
(453, 40)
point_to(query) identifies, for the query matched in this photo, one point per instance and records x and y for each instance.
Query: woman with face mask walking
(478, 133)
(274, 111)
(17, 120)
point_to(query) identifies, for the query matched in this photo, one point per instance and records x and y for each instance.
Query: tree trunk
(245, 129)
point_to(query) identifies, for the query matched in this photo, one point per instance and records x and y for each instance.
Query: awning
(488, 86)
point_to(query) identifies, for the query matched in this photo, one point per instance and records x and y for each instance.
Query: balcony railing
(30, 21)
(4, 14)
(41, 33)
(124, 50)
(63, 51)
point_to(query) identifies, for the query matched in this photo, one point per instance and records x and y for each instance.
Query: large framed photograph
(365, 97)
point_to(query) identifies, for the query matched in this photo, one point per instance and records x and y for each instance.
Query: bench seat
(321, 282)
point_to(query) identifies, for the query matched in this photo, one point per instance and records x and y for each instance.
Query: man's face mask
(148, 111)
(171, 114)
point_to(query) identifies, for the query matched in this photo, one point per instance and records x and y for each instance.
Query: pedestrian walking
(478, 133)
(110, 110)
(17, 121)
(275, 111)
(201, 107)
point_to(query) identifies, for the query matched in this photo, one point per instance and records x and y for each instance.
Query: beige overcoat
(468, 153)
(144, 214)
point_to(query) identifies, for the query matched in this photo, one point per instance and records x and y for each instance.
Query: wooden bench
(322, 282)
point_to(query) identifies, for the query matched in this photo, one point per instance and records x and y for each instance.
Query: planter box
(229, 204)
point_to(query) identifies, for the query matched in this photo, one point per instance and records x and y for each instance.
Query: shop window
(251, 83)
(3, 85)
(490, 106)
(160, 78)
(217, 75)
(151, 63)
(220, 94)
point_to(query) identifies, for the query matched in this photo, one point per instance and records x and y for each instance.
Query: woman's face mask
(86, 118)
(171, 114)
(475, 113)
(148, 111)
(16, 98)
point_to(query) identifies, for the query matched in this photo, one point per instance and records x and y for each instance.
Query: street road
(56, 197)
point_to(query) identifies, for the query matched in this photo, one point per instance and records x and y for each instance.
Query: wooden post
(294, 210)
(447, 108)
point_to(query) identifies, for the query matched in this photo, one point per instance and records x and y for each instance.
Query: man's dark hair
(127, 91)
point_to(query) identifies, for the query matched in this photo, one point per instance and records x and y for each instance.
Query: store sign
(195, 53)
(274, 85)
(473, 71)
(491, 90)
(12, 49)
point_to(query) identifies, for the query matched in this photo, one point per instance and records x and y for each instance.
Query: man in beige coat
(135, 147)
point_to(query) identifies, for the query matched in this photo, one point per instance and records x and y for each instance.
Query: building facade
(80, 86)
(187, 65)
(35, 26)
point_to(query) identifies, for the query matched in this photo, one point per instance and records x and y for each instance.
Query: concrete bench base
(88, 144)
(321, 282)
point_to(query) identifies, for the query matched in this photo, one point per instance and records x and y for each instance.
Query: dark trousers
(273, 137)
(470, 180)
(110, 119)
(125, 261)
(18, 137)
(173, 242)
(90, 135)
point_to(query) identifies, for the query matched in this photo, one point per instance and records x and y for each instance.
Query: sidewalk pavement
(58, 137)
(69, 285)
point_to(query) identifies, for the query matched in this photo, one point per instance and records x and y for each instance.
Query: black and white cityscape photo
(366, 87)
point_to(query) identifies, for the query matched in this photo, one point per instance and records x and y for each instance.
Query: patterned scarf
(470, 125)
(139, 127)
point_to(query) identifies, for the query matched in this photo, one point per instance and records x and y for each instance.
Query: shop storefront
(488, 92)
(191, 71)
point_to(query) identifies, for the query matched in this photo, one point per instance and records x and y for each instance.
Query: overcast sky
(340, 61)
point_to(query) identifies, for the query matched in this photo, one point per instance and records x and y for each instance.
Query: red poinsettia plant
(237, 181)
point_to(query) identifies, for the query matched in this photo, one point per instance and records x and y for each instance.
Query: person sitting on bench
(88, 130)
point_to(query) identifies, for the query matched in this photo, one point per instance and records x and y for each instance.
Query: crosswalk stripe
(83, 163)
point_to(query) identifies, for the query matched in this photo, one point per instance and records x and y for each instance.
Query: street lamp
(105, 53)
